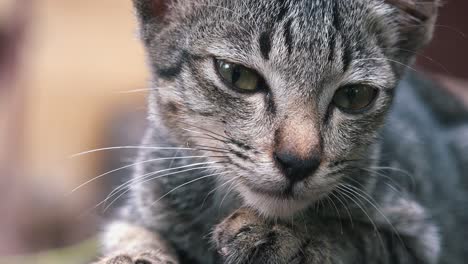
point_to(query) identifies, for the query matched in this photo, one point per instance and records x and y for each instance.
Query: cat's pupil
(352, 93)
(355, 97)
(236, 74)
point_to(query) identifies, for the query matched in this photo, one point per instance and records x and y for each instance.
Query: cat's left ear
(416, 19)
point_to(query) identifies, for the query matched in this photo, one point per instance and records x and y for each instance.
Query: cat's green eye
(239, 77)
(354, 98)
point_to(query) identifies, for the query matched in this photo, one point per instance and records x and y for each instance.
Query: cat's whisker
(129, 166)
(348, 177)
(403, 172)
(219, 147)
(344, 205)
(213, 150)
(379, 174)
(125, 187)
(208, 138)
(150, 174)
(390, 60)
(427, 58)
(453, 29)
(329, 200)
(393, 188)
(136, 91)
(173, 158)
(354, 198)
(202, 147)
(219, 187)
(371, 173)
(350, 161)
(415, 53)
(144, 181)
(231, 187)
(187, 183)
(127, 147)
(373, 203)
(392, 169)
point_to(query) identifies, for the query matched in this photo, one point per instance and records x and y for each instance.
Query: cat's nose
(296, 168)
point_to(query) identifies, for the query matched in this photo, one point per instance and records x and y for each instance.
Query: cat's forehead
(302, 37)
(303, 27)
(310, 18)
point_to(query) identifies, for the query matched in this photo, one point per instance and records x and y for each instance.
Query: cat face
(288, 95)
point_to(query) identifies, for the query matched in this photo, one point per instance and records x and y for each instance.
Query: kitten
(277, 135)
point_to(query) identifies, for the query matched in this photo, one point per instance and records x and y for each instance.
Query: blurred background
(71, 80)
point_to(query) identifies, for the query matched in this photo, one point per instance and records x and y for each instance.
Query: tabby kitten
(272, 138)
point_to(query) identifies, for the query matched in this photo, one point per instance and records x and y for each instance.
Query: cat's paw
(143, 258)
(244, 237)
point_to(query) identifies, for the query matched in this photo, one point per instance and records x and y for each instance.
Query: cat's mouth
(282, 203)
(285, 193)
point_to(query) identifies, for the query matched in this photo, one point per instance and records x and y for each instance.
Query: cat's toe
(240, 222)
(121, 259)
(153, 258)
(144, 258)
(245, 237)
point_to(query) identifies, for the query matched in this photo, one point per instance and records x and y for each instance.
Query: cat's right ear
(153, 16)
(150, 11)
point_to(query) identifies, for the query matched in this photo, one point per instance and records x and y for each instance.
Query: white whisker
(128, 166)
(187, 183)
(150, 174)
(127, 147)
(336, 196)
(328, 199)
(135, 91)
(394, 61)
(124, 188)
(373, 203)
(357, 201)
(231, 187)
(218, 187)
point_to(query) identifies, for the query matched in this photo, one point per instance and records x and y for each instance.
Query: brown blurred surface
(81, 55)
(78, 56)
(448, 52)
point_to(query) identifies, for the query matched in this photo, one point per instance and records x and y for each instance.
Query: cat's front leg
(244, 237)
(126, 243)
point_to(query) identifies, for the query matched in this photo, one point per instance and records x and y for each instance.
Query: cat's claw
(244, 237)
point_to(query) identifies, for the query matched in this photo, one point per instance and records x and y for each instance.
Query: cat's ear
(152, 10)
(152, 15)
(416, 19)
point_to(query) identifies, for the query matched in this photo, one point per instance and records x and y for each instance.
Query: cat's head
(290, 94)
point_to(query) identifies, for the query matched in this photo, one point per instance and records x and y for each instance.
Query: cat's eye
(239, 77)
(354, 98)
